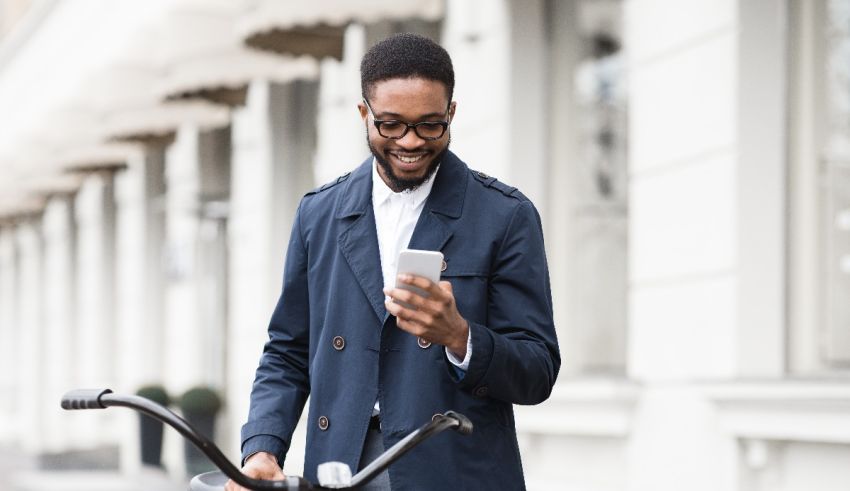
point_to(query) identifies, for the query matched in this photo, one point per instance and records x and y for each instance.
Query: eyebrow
(399, 116)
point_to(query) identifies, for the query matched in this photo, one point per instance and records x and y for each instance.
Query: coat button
(324, 422)
(443, 266)
(339, 343)
(482, 391)
(483, 175)
(424, 344)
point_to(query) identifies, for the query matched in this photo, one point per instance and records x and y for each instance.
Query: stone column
(182, 330)
(29, 360)
(273, 151)
(96, 342)
(476, 30)
(9, 334)
(139, 195)
(341, 135)
(214, 147)
(59, 310)
(197, 178)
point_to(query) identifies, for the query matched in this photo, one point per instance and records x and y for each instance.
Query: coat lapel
(358, 241)
(445, 203)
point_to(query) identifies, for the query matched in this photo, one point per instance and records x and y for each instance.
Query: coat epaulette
(330, 184)
(492, 182)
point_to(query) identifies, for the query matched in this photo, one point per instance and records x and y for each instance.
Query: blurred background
(690, 160)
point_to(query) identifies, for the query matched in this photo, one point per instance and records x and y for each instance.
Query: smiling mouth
(409, 159)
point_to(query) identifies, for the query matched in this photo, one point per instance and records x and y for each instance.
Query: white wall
(473, 31)
(683, 164)
(341, 134)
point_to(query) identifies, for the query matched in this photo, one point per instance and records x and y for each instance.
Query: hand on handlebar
(261, 465)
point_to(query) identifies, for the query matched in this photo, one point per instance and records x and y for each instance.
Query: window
(819, 184)
(589, 179)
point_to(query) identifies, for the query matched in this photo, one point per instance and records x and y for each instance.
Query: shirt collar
(381, 192)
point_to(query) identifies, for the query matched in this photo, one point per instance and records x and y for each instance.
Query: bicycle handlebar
(104, 398)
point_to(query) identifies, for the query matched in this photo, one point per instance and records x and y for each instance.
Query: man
(477, 342)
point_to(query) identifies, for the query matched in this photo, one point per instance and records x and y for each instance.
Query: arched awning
(209, 62)
(98, 72)
(52, 161)
(50, 122)
(317, 28)
(125, 91)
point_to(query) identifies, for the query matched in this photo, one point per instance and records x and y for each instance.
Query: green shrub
(155, 393)
(200, 400)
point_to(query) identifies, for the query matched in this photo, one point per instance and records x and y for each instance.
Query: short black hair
(406, 55)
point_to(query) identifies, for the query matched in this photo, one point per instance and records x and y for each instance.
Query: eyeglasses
(394, 129)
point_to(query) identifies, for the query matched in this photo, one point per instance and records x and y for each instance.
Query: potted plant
(150, 430)
(200, 406)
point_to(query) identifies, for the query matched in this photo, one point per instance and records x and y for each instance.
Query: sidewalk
(19, 472)
(92, 481)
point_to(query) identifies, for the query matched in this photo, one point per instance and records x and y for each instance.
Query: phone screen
(420, 263)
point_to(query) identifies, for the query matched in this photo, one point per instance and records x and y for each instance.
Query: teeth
(408, 160)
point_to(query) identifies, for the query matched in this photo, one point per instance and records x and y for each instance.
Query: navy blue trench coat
(330, 336)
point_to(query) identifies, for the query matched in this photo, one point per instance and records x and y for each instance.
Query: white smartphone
(420, 263)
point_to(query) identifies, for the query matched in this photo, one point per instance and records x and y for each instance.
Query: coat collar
(446, 196)
(358, 241)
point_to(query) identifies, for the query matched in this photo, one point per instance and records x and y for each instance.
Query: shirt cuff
(463, 365)
(263, 443)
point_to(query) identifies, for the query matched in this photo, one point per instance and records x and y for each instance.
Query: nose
(410, 141)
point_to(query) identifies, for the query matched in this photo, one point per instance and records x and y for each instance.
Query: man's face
(407, 162)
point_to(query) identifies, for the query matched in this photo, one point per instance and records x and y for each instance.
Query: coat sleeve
(281, 385)
(515, 357)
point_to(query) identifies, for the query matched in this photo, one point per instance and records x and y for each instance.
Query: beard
(399, 184)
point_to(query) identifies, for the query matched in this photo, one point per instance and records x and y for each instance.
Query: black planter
(150, 431)
(197, 462)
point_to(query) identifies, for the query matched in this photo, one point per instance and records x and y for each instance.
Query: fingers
(436, 295)
(232, 486)
(259, 466)
(409, 298)
(428, 312)
(420, 282)
(447, 287)
(275, 476)
(412, 320)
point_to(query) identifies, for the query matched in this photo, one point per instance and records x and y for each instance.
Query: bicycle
(332, 475)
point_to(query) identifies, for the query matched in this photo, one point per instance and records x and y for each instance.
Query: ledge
(582, 407)
(792, 410)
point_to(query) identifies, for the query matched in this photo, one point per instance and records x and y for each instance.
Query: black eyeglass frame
(378, 122)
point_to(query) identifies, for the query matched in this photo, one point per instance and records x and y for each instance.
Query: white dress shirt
(396, 215)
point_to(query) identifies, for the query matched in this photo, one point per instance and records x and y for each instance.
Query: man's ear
(364, 113)
(452, 108)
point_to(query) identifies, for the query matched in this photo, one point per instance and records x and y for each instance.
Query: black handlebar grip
(84, 399)
(465, 427)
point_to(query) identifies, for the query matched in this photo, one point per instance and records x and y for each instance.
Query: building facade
(689, 161)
